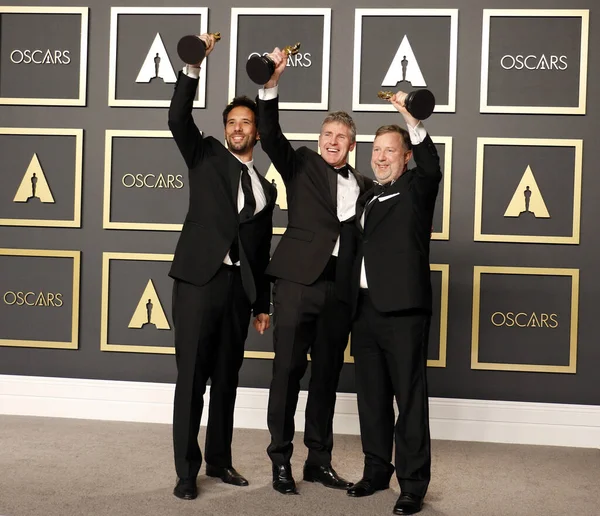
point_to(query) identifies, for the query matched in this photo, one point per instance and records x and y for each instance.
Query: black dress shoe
(408, 503)
(227, 475)
(326, 475)
(283, 481)
(186, 489)
(365, 487)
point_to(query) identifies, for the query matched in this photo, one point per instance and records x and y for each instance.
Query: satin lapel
(267, 188)
(332, 181)
(234, 169)
(360, 207)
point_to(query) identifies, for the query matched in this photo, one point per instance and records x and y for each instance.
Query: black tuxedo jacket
(212, 223)
(313, 224)
(396, 236)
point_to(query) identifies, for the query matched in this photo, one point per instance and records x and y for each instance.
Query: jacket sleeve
(181, 123)
(428, 171)
(274, 142)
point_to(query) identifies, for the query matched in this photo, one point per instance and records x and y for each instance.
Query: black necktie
(246, 213)
(378, 188)
(343, 171)
(249, 200)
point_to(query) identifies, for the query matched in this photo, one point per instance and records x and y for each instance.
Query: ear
(407, 157)
(352, 146)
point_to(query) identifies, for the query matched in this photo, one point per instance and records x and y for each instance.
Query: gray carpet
(63, 467)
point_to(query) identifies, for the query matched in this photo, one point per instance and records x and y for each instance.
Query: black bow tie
(343, 171)
(378, 188)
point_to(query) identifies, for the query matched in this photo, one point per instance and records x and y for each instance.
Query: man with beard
(392, 302)
(219, 279)
(311, 291)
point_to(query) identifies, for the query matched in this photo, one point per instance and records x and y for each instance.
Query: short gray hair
(343, 118)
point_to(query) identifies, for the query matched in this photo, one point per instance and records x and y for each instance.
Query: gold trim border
(325, 12)
(76, 221)
(529, 271)
(47, 253)
(126, 348)
(83, 57)
(584, 14)
(107, 223)
(452, 14)
(113, 101)
(528, 142)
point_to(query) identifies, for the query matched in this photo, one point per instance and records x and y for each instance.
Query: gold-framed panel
(452, 14)
(488, 14)
(571, 367)
(47, 253)
(49, 223)
(125, 348)
(236, 12)
(479, 236)
(113, 101)
(107, 223)
(444, 234)
(83, 50)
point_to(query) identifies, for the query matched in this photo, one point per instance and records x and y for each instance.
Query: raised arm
(424, 151)
(181, 123)
(272, 139)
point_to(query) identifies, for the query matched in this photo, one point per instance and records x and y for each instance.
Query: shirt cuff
(268, 93)
(192, 72)
(417, 133)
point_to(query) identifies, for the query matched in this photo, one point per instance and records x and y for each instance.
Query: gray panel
(135, 35)
(553, 169)
(381, 38)
(128, 279)
(58, 37)
(539, 37)
(545, 339)
(46, 313)
(457, 380)
(302, 79)
(137, 196)
(56, 155)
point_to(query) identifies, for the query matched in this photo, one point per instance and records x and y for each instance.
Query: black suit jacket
(396, 236)
(311, 184)
(212, 223)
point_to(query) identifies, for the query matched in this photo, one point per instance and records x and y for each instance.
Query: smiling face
(335, 142)
(389, 157)
(240, 131)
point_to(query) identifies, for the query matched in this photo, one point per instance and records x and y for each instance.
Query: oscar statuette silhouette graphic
(34, 181)
(149, 306)
(156, 65)
(527, 194)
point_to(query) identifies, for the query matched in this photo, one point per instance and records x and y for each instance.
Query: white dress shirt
(417, 135)
(347, 188)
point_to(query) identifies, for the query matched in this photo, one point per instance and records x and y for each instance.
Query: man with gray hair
(312, 287)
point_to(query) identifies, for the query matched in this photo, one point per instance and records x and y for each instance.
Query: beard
(240, 147)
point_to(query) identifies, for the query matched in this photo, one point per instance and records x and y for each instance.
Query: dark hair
(244, 102)
(384, 129)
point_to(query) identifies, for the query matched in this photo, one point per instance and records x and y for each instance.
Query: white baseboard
(451, 419)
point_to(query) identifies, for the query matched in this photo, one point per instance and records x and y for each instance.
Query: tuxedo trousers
(307, 319)
(390, 356)
(211, 326)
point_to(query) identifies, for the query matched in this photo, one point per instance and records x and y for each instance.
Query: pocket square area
(386, 197)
